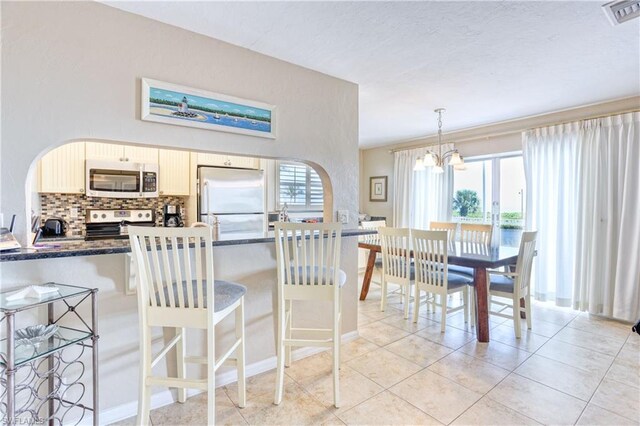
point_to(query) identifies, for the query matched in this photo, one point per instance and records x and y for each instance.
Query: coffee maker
(171, 216)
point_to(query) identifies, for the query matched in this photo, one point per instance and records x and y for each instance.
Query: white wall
(71, 71)
(491, 139)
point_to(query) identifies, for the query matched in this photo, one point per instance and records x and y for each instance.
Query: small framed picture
(378, 188)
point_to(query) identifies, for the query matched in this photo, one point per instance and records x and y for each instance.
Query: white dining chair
(450, 227)
(476, 233)
(308, 267)
(396, 264)
(177, 290)
(374, 239)
(514, 285)
(430, 255)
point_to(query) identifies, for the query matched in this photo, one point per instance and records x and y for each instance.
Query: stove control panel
(116, 216)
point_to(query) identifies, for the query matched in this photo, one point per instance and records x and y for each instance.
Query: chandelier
(437, 160)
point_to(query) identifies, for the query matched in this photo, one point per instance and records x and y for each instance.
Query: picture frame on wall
(185, 106)
(378, 188)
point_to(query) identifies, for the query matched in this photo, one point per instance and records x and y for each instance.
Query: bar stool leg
(336, 356)
(240, 355)
(289, 323)
(181, 365)
(280, 354)
(211, 375)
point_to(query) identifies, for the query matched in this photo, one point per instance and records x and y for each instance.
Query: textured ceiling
(484, 61)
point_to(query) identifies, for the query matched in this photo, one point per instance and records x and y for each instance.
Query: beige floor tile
(607, 345)
(419, 350)
(451, 338)
(382, 334)
(407, 324)
(565, 378)
(582, 358)
(297, 407)
(131, 421)
(194, 412)
(489, 412)
(633, 342)
(541, 327)
(560, 317)
(624, 372)
(457, 320)
(316, 365)
(601, 326)
(629, 354)
(384, 367)
(437, 396)
(264, 383)
(528, 341)
(470, 372)
(619, 398)
(386, 409)
(537, 401)
(356, 348)
(376, 314)
(496, 353)
(354, 388)
(363, 319)
(596, 416)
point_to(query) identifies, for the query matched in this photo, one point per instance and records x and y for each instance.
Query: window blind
(299, 186)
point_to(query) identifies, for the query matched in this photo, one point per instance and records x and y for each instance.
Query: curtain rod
(510, 132)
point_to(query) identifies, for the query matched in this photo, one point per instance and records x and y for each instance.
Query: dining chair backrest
(475, 233)
(525, 262)
(430, 250)
(396, 254)
(450, 227)
(308, 259)
(373, 239)
(163, 260)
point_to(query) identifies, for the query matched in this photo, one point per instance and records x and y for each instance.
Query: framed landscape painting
(378, 188)
(184, 106)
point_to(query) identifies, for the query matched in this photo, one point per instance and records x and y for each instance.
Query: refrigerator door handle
(206, 192)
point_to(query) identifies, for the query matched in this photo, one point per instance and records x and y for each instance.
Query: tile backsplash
(58, 205)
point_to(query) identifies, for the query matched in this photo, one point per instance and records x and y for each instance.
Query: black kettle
(55, 227)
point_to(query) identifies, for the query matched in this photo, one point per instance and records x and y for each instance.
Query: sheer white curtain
(551, 171)
(607, 267)
(423, 196)
(583, 197)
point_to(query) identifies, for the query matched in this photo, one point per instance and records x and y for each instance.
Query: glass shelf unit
(36, 377)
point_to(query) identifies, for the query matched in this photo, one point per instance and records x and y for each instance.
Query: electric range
(112, 223)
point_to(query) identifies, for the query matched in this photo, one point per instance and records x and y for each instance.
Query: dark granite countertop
(73, 248)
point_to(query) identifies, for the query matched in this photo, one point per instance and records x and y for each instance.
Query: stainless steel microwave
(121, 179)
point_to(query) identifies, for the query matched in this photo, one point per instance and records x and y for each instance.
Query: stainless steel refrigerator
(235, 197)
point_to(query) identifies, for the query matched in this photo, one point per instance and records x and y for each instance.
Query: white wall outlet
(343, 216)
(73, 212)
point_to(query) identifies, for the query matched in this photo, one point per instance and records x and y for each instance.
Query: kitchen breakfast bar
(104, 265)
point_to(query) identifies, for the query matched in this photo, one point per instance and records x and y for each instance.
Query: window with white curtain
(299, 186)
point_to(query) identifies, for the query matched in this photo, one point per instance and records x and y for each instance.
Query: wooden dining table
(478, 256)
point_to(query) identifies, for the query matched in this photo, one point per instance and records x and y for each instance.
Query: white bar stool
(174, 291)
(308, 259)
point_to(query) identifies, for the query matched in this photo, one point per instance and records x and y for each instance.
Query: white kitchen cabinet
(114, 152)
(139, 154)
(62, 170)
(222, 160)
(104, 151)
(173, 172)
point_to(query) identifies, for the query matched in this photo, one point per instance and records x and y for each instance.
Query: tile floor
(570, 369)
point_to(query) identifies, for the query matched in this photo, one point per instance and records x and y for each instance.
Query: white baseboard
(166, 397)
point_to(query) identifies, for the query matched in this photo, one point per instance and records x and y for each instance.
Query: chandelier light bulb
(419, 165)
(429, 161)
(456, 160)
(438, 170)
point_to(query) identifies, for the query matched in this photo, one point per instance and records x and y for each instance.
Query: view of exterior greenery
(466, 201)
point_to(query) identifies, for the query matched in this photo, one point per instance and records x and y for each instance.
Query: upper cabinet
(221, 160)
(62, 169)
(112, 152)
(173, 172)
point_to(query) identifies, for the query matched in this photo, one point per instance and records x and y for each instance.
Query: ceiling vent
(622, 11)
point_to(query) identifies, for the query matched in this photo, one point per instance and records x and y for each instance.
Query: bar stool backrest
(168, 277)
(308, 259)
(450, 227)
